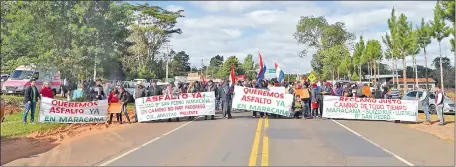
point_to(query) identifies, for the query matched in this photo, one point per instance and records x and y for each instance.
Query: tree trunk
(441, 68)
(416, 71)
(425, 65)
(374, 66)
(404, 72)
(359, 74)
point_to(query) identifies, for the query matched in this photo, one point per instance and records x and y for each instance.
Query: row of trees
(86, 39)
(220, 68)
(333, 44)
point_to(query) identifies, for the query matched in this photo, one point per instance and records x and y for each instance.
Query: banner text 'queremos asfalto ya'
(53, 110)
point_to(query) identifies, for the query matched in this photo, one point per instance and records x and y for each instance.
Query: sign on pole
(312, 78)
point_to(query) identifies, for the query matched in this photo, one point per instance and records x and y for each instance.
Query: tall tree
(448, 8)
(249, 67)
(404, 42)
(439, 31)
(179, 65)
(413, 50)
(316, 33)
(216, 61)
(225, 70)
(390, 40)
(358, 54)
(424, 39)
(373, 54)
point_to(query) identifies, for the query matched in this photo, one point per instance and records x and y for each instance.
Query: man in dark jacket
(97, 91)
(123, 99)
(210, 88)
(226, 92)
(31, 96)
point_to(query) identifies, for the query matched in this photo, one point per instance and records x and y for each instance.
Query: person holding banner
(211, 88)
(192, 89)
(46, 91)
(139, 92)
(314, 102)
(113, 97)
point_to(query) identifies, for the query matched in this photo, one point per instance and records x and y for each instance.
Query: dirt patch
(444, 132)
(11, 109)
(40, 142)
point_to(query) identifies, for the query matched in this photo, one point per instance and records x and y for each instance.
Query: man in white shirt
(439, 104)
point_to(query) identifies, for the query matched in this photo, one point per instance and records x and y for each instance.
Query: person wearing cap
(154, 90)
(139, 92)
(97, 91)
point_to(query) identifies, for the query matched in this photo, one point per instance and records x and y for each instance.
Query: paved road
(255, 142)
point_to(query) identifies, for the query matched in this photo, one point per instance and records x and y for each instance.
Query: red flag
(232, 76)
(202, 79)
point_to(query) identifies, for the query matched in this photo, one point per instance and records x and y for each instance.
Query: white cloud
(240, 28)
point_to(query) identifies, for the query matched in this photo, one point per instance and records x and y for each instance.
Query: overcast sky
(241, 27)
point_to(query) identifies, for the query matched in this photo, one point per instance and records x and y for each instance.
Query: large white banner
(167, 106)
(370, 109)
(53, 110)
(280, 89)
(262, 100)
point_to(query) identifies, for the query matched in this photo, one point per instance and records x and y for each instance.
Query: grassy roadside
(13, 126)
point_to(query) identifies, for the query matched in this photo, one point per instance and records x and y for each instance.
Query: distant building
(381, 78)
(410, 82)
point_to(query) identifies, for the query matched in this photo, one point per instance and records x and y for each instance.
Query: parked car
(449, 105)
(129, 86)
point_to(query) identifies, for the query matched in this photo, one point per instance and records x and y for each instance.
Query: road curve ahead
(257, 142)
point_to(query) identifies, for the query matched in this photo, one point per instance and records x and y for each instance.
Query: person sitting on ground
(46, 91)
(113, 97)
(298, 106)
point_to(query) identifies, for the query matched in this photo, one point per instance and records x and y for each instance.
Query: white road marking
(142, 145)
(375, 144)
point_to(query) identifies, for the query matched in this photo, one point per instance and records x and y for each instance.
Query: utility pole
(202, 65)
(167, 46)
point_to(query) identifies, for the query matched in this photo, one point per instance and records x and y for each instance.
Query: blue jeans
(439, 109)
(124, 108)
(426, 111)
(29, 107)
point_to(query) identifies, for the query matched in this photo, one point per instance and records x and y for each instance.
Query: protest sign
(53, 110)
(169, 106)
(114, 108)
(262, 100)
(277, 89)
(369, 109)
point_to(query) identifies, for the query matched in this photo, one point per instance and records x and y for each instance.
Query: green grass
(13, 126)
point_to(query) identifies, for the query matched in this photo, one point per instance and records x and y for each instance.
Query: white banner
(262, 100)
(53, 110)
(370, 109)
(277, 89)
(182, 105)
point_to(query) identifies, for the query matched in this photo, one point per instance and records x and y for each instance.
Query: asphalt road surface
(246, 141)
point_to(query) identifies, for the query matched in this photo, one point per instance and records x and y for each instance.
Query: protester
(113, 97)
(325, 91)
(225, 98)
(339, 91)
(154, 90)
(192, 88)
(124, 98)
(139, 92)
(263, 86)
(366, 91)
(314, 101)
(378, 94)
(439, 96)
(178, 89)
(31, 96)
(64, 88)
(211, 88)
(79, 94)
(46, 91)
(97, 91)
(424, 99)
(298, 106)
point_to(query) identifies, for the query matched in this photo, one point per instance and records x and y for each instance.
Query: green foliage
(355, 76)
(224, 71)
(439, 28)
(179, 65)
(216, 61)
(316, 33)
(144, 73)
(249, 67)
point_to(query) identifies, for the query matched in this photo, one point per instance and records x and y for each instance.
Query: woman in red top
(113, 97)
(46, 91)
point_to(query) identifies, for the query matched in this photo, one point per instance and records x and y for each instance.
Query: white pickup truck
(145, 83)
